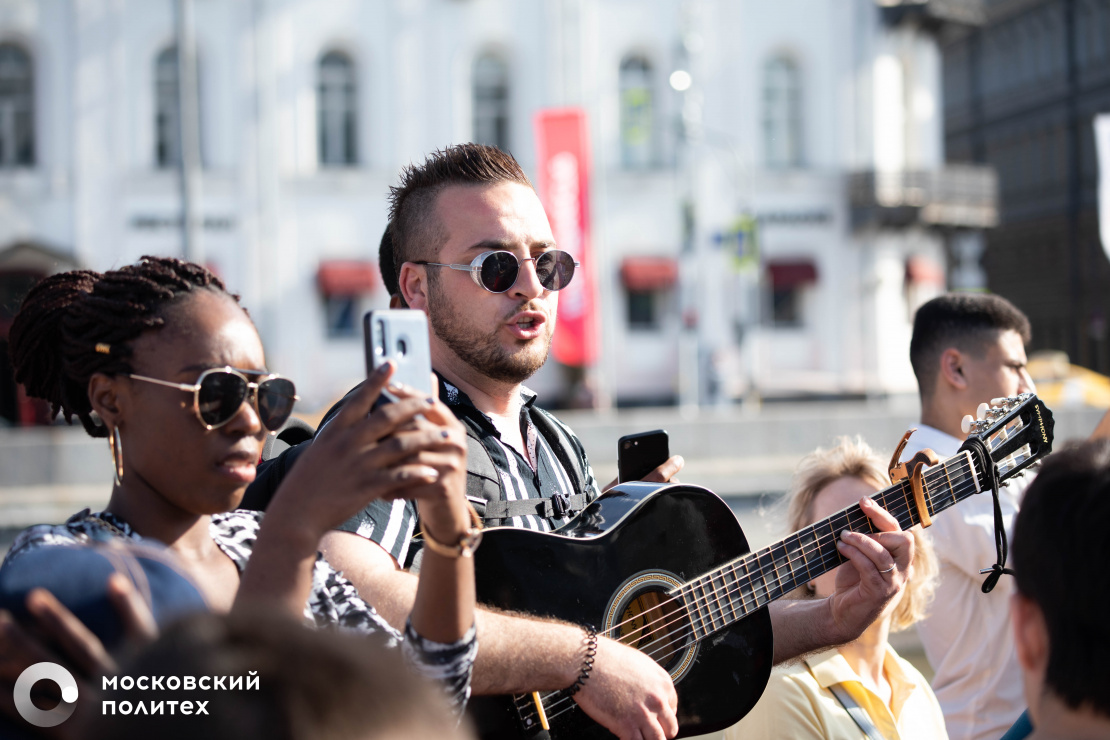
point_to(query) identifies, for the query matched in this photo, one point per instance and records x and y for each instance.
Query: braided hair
(74, 324)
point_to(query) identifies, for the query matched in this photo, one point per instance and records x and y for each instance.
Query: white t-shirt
(966, 634)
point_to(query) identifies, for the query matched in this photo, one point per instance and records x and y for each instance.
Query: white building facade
(809, 128)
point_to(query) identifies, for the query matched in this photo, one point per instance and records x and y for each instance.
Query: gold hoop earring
(115, 444)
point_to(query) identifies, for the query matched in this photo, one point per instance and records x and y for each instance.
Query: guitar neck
(742, 586)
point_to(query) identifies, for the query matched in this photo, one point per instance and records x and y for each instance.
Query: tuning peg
(966, 423)
(1001, 401)
(981, 412)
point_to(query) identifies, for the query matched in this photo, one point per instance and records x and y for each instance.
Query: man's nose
(1025, 382)
(528, 280)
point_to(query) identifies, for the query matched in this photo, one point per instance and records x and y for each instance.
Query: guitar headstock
(1017, 430)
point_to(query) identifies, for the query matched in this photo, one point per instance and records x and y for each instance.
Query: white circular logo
(45, 717)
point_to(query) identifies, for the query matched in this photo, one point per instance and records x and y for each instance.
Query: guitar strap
(855, 711)
(483, 481)
(979, 450)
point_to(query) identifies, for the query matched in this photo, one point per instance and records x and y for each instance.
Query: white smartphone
(400, 335)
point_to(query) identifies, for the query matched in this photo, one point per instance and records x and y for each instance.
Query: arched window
(782, 113)
(17, 119)
(167, 114)
(337, 111)
(637, 113)
(491, 101)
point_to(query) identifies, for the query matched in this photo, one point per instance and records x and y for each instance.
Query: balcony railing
(934, 13)
(954, 195)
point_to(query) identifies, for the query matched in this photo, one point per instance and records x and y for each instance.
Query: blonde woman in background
(889, 696)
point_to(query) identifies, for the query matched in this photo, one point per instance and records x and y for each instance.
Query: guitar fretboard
(738, 588)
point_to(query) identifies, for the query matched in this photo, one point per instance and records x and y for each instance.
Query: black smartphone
(639, 454)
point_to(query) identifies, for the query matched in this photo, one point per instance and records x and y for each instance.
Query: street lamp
(680, 80)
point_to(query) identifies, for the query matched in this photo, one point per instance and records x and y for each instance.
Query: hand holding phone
(639, 454)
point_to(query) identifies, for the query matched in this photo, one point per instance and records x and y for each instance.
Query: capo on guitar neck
(914, 470)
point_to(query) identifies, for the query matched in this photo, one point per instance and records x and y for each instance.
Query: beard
(483, 351)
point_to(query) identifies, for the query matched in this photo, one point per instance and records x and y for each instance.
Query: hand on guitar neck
(864, 590)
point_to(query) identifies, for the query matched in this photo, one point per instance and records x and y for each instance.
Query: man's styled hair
(414, 230)
(854, 458)
(966, 321)
(386, 265)
(1060, 557)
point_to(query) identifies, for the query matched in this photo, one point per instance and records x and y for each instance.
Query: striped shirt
(538, 475)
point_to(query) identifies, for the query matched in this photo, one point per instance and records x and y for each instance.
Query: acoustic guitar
(666, 569)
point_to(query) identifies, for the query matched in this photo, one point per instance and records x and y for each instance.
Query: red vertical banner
(563, 174)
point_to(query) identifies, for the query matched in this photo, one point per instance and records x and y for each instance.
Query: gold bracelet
(468, 540)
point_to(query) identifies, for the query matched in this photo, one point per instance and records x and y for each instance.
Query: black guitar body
(637, 538)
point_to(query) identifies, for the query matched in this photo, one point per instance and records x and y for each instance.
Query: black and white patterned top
(391, 524)
(333, 601)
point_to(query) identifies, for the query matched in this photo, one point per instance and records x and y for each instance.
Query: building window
(336, 106)
(788, 280)
(341, 312)
(167, 115)
(637, 113)
(491, 101)
(786, 306)
(17, 135)
(782, 113)
(643, 314)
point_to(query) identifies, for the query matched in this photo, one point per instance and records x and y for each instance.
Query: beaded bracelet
(587, 662)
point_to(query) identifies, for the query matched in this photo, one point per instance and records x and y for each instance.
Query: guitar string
(943, 473)
(901, 507)
(931, 477)
(853, 519)
(960, 487)
(905, 499)
(555, 708)
(721, 572)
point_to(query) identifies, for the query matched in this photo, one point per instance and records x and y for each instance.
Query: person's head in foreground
(1061, 609)
(311, 685)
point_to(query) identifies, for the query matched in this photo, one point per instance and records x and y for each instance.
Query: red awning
(643, 274)
(923, 270)
(346, 277)
(791, 273)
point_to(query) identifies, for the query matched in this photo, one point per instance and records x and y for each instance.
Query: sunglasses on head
(498, 271)
(219, 393)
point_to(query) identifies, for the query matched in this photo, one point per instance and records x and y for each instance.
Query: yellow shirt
(799, 704)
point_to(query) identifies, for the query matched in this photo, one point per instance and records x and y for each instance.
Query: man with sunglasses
(469, 243)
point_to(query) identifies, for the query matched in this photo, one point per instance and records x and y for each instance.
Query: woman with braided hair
(162, 361)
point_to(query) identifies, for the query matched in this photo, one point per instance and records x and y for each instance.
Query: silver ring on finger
(887, 570)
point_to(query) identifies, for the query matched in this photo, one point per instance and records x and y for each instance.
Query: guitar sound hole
(655, 624)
